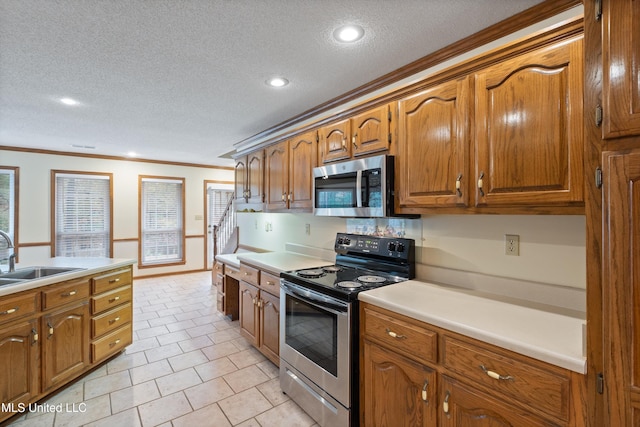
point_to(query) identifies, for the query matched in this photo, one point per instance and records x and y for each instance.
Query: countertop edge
(86, 266)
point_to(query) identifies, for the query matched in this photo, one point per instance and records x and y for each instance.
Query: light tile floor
(187, 366)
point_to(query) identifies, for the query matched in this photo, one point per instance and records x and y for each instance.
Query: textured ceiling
(183, 80)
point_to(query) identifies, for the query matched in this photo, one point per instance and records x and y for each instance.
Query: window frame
(141, 262)
(16, 208)
(54, 218)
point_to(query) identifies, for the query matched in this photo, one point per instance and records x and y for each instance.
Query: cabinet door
(270, 326)
(302, 159)
(463, 406)
(621, 285)
(334, 141)
(249, 312)
(370, 131)
(529, 128)
(621, 68)
(397, 391)
(277, 176)
(241, 180)
(19, 362)
(255, 176)
(434, 146)
(65, 341)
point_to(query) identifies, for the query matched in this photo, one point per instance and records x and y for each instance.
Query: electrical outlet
(512, 244)
(307, 229)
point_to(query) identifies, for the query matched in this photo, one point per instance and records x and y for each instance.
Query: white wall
(35, 194)
(552, 247)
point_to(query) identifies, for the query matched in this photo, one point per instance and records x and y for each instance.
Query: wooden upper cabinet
(334, 141)
(277, 176)
(359, 135)
(433, 146)
(370, 131)
(621, 68)
(289, 173)
(249, 177)
(529, 128)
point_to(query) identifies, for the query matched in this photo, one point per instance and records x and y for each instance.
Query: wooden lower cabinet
(249, 312)
(269, 315)
(464, 406)
(396, 391)
(65, 341)
(19, 362)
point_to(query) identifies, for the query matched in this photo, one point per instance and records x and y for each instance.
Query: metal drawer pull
(270, 283)
(445, 404)
(69, 294)
(114, 280)
(481, 184)
(114, 320)
(246, 273)
(424, 391)
(114, 299)
(34, 332)
(116, 342)
(495, 375)
(10, 311)
(394, 335)
(50, 329)
(458, 185)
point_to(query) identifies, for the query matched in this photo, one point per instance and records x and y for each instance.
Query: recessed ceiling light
(132, 154)
(348, 33)
(277, 82)
(69, 101)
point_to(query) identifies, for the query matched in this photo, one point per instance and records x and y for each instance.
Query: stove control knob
(391, 246)
(400, 247)
(340, 240)
(347, 241)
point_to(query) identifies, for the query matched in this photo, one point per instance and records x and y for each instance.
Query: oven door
(315, 332)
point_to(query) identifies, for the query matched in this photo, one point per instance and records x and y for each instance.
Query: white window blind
(162, 221)
(82, 215)
(218, 200)
(7, 210)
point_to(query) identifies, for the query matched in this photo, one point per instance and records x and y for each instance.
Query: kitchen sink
(4, 282)
(30, 273)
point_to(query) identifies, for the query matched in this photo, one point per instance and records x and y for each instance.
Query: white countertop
(85, 266)
(277, 262)
(229, 259)
(546, 335)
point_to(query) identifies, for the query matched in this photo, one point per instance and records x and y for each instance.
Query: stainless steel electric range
(319, 323)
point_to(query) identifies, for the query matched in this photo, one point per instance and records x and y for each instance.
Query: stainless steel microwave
(356, 188)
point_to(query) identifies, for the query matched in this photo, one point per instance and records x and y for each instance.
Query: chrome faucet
(12, 257)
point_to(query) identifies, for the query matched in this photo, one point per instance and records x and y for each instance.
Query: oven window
(313, 332)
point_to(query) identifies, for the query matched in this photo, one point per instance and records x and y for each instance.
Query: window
(82, 214)
(8, 209)
(161, 220)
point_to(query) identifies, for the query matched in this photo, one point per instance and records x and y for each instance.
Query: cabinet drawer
(270, 283)
(415, 341)
(14, 307)
(218, 268)
(250, 274)
(111, 343)
(111, 280)
(111, 320)
(534, 386)
(66, 292)
(111, 299)
(233, 272)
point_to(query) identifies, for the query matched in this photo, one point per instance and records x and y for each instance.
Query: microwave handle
(359, 189)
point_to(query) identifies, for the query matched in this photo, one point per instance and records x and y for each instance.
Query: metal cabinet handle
(34, 334)
(10, 311)
(270, 283)
(394, 335)
(458, 185)
(112, 321)
(424, 391)
(116, 342)
(283, 196)
(445, 404)
(289, 196)
(114, 299)
(50, 326)
(68, 294)
(114, 280)
(481, 183)
(353, 140)
(495, 375)
(344, 144)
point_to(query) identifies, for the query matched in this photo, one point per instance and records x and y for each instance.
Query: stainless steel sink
(4, 282)
(30, 273)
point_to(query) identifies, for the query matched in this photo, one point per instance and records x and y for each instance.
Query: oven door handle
(319, 302)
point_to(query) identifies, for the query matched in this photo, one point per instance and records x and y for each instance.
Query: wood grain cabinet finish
(396, 391)
(529, 128)
(17, 306)
(65, 344)
(621, 68)
(249, 179)
(433, 136)
(289, 173)
(362, 134)
(621, 318)
(20, 362)
(65, 293)
(260, 311)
